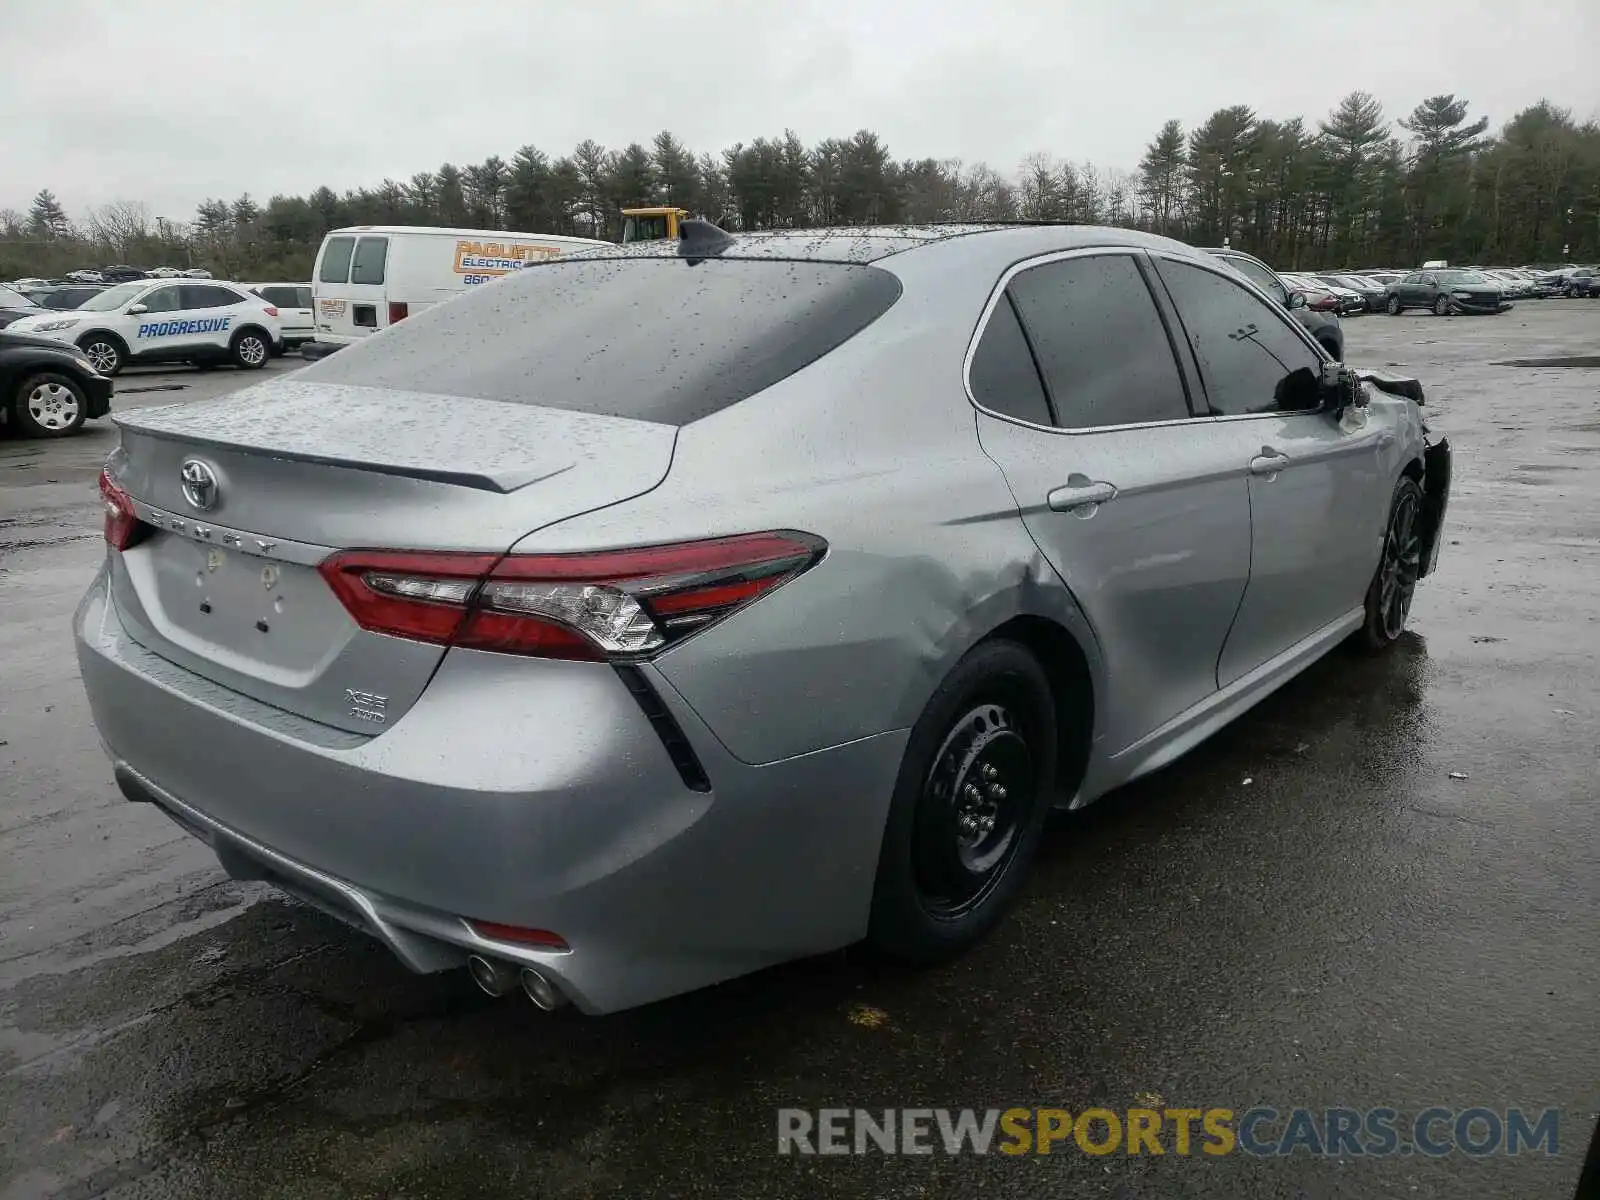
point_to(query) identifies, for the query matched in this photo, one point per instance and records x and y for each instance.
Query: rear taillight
(609, 605)
(398, 310)
(271, 312)
(122, 526)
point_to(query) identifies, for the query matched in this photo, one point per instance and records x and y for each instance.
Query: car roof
(873, 243)
(448, 231)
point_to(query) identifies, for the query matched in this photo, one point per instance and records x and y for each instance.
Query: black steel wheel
(968, 807)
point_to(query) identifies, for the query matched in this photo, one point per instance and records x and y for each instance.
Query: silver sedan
(667, 611)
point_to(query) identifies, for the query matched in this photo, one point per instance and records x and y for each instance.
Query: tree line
(1355, 188)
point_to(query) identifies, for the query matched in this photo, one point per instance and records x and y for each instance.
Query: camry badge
(199, 484)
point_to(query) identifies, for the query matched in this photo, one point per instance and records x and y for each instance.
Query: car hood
(30, 317)
(16, 316)
(12, 337)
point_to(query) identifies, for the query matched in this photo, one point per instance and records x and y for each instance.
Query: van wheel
(50, 405)
(250, 350)
(968, 807)
(105, 352)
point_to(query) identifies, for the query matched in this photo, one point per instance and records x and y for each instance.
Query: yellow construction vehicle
(651, 224)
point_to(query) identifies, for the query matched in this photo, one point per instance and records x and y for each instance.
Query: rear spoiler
(1395, 385)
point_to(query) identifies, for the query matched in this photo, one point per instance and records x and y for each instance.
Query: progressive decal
(155, 329)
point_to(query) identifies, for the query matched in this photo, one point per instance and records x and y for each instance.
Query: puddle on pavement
(1583, 360)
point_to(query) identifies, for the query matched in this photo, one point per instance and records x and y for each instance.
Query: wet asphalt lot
(1309, 910)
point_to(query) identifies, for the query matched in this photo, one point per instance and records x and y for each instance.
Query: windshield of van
(657, 339)
(113, 297)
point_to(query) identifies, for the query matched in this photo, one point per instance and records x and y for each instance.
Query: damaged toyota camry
(667, 611)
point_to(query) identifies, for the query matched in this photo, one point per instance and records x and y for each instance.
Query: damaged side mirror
(1340, 388)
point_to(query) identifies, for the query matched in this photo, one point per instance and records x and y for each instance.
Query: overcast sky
(168, 103)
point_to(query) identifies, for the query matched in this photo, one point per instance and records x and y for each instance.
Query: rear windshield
(367, 266)
(336, 260)
(656, 339)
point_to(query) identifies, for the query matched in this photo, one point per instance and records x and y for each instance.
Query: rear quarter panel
(874, 448)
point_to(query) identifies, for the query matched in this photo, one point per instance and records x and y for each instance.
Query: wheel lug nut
(997, 792)
(989, 771)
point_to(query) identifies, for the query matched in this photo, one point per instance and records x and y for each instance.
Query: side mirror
(1340, 388)
(135, 309)
(1297, 299)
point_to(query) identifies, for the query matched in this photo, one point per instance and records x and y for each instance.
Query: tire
(50, 405)
(106, 351)
(1441, 306)
(250, 349)
(1395, 307)
(968, 808)
(1394, 584)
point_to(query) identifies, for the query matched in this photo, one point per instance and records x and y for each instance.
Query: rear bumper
(538, 798)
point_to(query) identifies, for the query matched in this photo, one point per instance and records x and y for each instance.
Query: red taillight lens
(122, 527)
(623, 604)
(398, 311)
(271, 311)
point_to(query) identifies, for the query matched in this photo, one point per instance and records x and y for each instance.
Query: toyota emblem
(199, 484)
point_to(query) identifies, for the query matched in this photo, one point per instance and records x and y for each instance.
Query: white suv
(293, 302)
(164, 320)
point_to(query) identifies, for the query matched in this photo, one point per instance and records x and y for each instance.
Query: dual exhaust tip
(496, 979)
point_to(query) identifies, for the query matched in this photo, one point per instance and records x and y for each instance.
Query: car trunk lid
(291, 472)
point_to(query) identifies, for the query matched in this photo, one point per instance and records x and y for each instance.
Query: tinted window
(208, 296)
(336, 260)
(1101, 346)
(1004, 379)
(285, 296)
(659, 339)
(1250, 359)
(163, 299)
(367, 266)
(1257, 274)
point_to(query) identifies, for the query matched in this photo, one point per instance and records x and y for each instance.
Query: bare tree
(120, 224)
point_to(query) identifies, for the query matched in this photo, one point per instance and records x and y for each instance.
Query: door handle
(1268, 462)
(1076, 496)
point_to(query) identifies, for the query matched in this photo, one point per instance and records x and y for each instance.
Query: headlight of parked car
(52, 326)
(1462, 295)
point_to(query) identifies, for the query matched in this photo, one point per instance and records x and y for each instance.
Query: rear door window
(209, 296)
(1100, 343)
(1003, 377)
(669, 340)
(283, 297)
(367, 265)
(336, 260)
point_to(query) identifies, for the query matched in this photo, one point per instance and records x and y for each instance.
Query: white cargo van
(368, 277)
